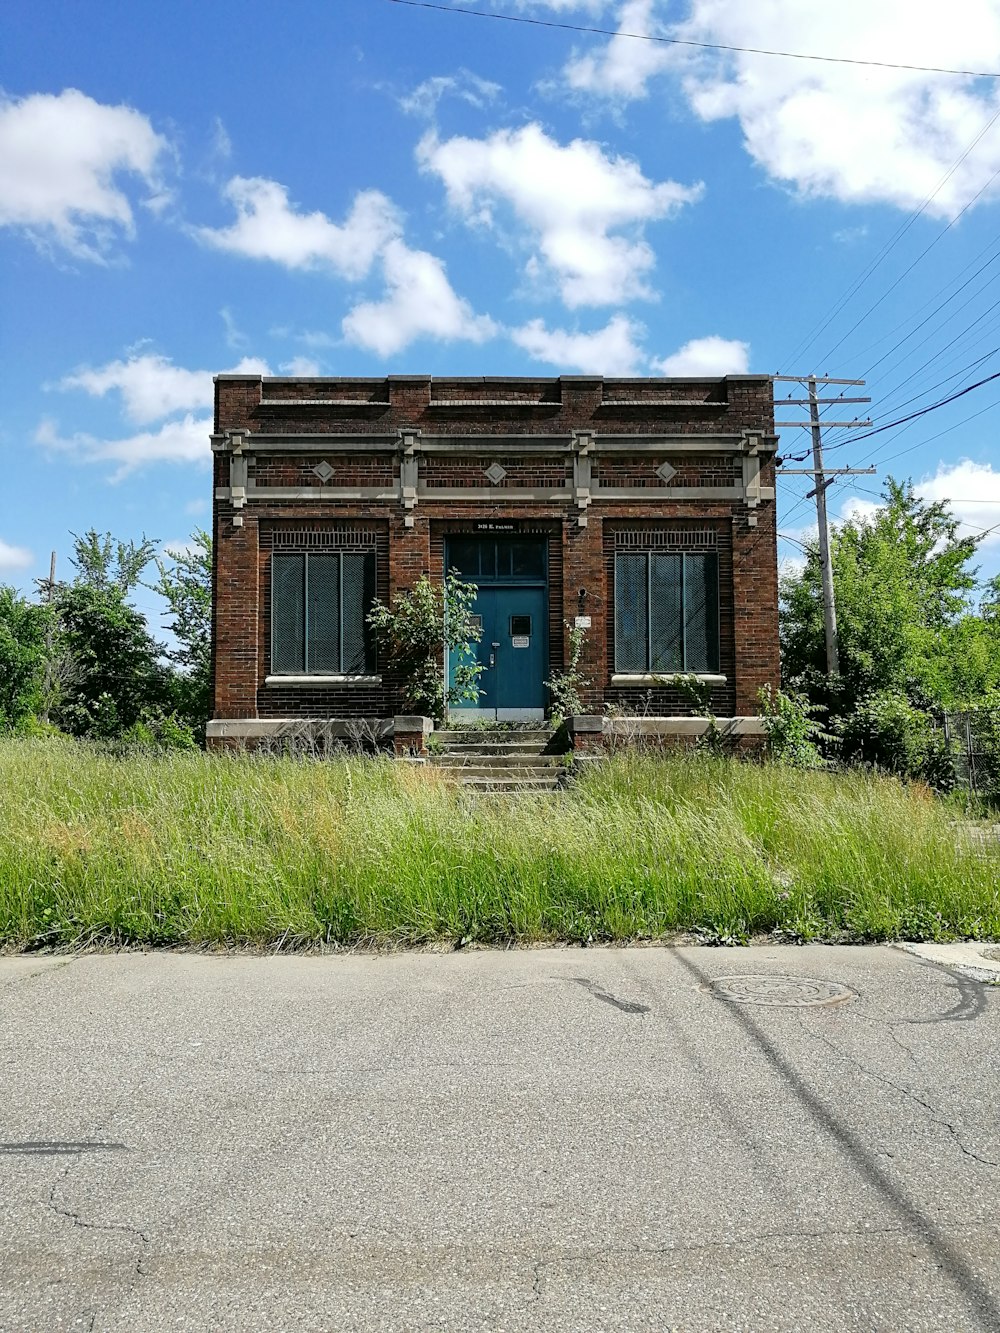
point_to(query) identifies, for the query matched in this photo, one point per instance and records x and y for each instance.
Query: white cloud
(14, 557)
(856, 510)
(612, 350)
(235, 337)
(791, 565)
(195, 507)
(184, 441)
(419, 302)
(181, 546)
(593, 7)
(269, 227)
(152, 387)
(61, 159)
(571, 198)
(707, 356)
(616, 350)
(464, 85)
(856, 134)
(622, 69)
(972, 491)
(317, 339)
(301, 365)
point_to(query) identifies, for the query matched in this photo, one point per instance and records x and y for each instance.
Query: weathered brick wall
(689, 470)
(580, 558)
(384, 406)
(299, 470)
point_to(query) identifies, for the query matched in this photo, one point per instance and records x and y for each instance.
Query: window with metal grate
(666, 612)
(319, 605)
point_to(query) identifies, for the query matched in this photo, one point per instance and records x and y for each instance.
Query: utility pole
(824, 478)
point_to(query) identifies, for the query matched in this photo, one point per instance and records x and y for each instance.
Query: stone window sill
(322, 680)
(706, 677)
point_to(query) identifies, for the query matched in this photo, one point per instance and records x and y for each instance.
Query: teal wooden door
(512, 604)
(512, 649)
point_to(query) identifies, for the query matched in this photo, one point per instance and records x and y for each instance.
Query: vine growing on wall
(565, 686)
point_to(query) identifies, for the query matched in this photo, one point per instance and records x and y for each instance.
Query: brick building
(641, 509)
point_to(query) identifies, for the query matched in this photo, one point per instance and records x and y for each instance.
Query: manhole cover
(779, 992)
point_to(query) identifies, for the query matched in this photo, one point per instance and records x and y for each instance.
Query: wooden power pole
(824, 478)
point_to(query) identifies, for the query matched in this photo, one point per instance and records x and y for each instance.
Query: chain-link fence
(973, 736)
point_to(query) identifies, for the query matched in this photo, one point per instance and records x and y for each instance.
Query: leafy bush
(414, 633)
(792, 735)
(887, 731)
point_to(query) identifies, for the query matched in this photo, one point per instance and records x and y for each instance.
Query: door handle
(493, 654)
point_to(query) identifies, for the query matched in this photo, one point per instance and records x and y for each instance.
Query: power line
(888, 246)
(948, 430)
(930, 440)
(840, 441)
(932, 407)
(687, 41)
(923, 254)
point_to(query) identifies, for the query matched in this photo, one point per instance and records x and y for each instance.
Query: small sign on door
(520, 641)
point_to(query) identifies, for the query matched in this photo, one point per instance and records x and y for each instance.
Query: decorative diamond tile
(665, 472)
(324, 471)
(496, 474)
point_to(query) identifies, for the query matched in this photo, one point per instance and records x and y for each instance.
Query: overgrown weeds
(196, 850)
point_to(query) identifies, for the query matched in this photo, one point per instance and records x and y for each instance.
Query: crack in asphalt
(77, 1218)
(536, 1280)
(44, 971)
(935, 1111)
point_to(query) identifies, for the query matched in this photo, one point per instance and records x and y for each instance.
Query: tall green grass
(191, 849)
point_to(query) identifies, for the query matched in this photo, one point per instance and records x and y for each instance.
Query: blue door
(512, 604)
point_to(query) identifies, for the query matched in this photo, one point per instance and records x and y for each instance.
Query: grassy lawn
(190, 849)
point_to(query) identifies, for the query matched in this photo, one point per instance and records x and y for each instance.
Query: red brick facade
(403, 464)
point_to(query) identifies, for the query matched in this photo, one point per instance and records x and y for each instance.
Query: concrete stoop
(499, 760)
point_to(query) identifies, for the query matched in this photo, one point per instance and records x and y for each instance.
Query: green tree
(185, 583)
(905, 589)
(24, 639)
(116, 679)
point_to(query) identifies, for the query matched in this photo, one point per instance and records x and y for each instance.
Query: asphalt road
(557, 1139)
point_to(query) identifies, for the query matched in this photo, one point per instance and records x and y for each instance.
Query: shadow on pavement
(980, 1300)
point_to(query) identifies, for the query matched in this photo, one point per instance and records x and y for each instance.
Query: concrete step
(509, 774)
(484, 759)
(510, 784)
(474, 736)
(514, 751)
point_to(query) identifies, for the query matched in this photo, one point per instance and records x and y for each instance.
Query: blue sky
(363, 187)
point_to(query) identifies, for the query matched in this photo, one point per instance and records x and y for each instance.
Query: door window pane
(463, 555)
(528, 559)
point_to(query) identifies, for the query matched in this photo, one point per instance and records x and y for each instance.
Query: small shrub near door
(415, 631)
